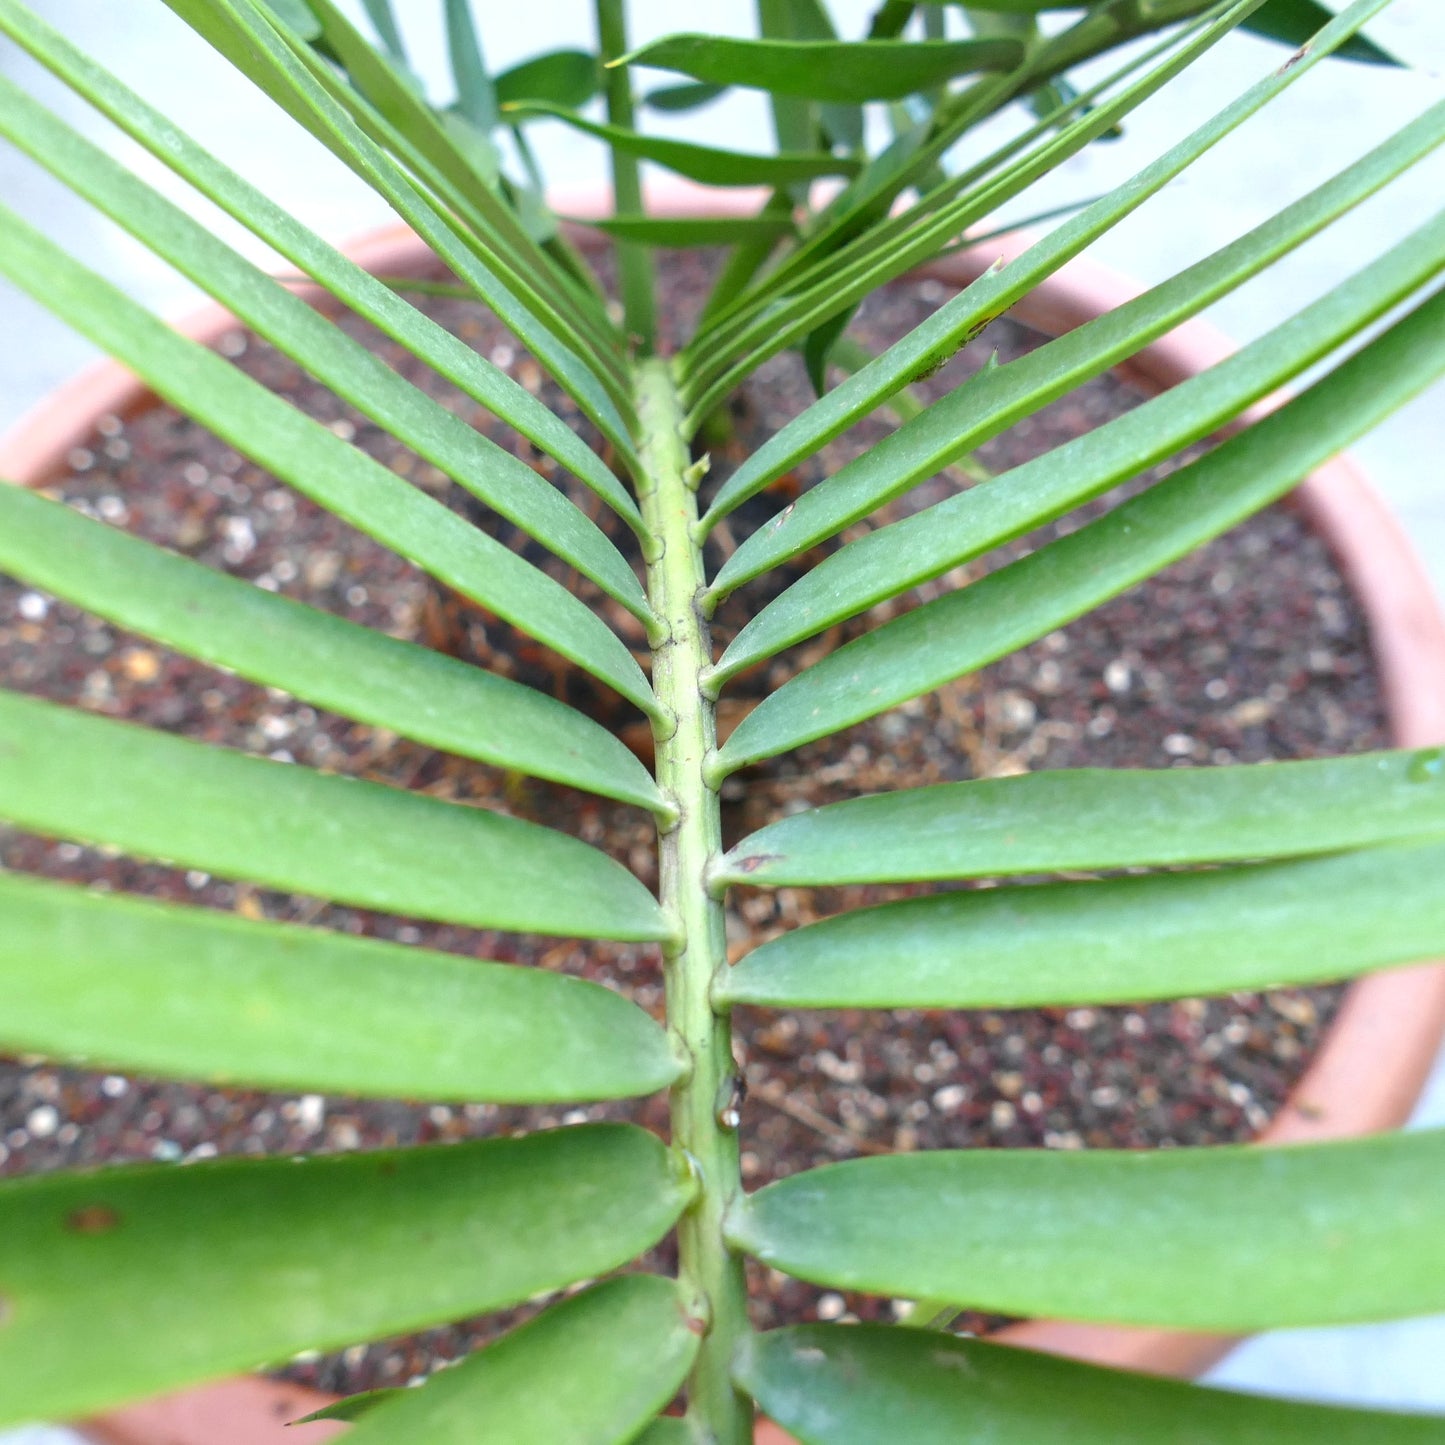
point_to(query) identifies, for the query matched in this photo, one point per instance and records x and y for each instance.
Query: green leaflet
(347, 367)
(844, 72)
(193, 994)
(317, 463)
(266, 59)
(330, 662)
(746, 260)
(965, 629)
(1096, 818)
(591, 1370)
(1123, 940)
(68, 774)
(890, 19)
(158, 1276)
(1025, 223)
(818, 349)
(859, 1384)
(686, 231)
(902, 555)
(476, 95)
(931, 344)
(1230, 1239)
(452, 358)
(708, 164)
(561, 77)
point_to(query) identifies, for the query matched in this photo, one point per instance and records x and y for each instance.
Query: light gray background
(1330, 117)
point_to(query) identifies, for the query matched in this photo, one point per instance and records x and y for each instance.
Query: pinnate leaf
(859, 1384)
(69, 774)
(1096, 818)
(1168, 935)
(590, 1370)
(194, 994)
(1230, 1239)
(157, 1276)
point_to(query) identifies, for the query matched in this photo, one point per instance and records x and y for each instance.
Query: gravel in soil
(1251, 649)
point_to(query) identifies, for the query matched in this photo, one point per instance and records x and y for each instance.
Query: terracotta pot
(1374, 1059)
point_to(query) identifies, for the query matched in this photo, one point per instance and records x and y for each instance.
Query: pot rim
(1396, 1014)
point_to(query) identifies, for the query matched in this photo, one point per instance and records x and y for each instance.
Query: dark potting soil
(1252, 649)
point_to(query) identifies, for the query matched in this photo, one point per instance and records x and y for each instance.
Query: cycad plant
(118, 1284)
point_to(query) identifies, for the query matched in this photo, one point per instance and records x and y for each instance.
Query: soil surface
(1252, 649)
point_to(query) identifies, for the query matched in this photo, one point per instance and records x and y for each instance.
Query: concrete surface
(1332, 116)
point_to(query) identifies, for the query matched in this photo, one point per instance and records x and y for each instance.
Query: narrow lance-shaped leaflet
(590, 1370)
(1230, 1239)
(68, 774)
(191, 993)
(220, 1266)
(859, 1384)
(1120, 940)
(1068, 819)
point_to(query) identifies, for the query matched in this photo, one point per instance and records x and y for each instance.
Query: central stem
(704, 1110)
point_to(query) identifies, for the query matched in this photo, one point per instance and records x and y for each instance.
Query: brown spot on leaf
(7, 1313)
(929, 368)
(92, 1219)
(752, 863)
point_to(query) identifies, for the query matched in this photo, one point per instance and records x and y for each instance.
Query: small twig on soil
(810, 1118)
